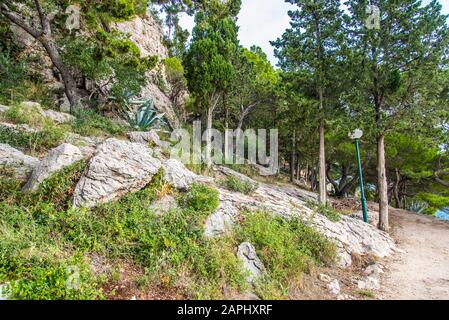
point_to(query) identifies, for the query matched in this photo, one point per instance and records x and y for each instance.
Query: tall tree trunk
(396, 186)
(209, 138)
(322, 167)
(292, 158)
(44, 36)
(70, 86)
(382, 184)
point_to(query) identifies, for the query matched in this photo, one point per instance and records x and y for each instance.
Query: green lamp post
(356, 135)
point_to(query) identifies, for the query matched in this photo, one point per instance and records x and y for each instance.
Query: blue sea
(443, 214)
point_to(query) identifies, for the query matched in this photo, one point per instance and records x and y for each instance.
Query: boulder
(334, 287)
(251, 262)
(117, 167)
(164, 205)
(3, 108)
(221, 221)
(176, 174)
(147, 137)
(20, 163)
(373, 270)
(324, 277)
(370, 283)
(57, 117)
(57, 158)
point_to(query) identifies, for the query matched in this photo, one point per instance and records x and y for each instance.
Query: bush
(49, 137)
(435, 202)
(90, 123)
(201, 198)
(33, 263)
(286, 247)
(329, 212)
(235, 184)
(30, 115)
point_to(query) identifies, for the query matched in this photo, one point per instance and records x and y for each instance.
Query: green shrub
(59, 187)
(49, 137)
(329, 212)
(33, 262)
(30, 115)
(235, 184)
(286, 247)
(435, 202)
(201, 198)
(90, 123)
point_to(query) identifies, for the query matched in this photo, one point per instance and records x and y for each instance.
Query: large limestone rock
(147, 137)
(176, 174)
(349, 234)
(221, 221)
(148, 35)
(20, 163)
(57, 158)
(251, 262)
(118, 167)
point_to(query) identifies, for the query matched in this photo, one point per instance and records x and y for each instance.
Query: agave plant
(146, 115)
(417, 206)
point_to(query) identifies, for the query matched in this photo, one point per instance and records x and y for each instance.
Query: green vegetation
(90, 123)
(49, 137)
(434, 201)
(235, 184)
(287, 248)
(201, 198)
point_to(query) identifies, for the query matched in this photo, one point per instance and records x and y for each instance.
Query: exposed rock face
(148, 35)
(334, 287)
(118, 167)
(20, 163)
(350, 235)
(164, 205)
(57, 117)
(147, 137)
(221, 222)
(251, 262)
(57, 158)
(177, 174)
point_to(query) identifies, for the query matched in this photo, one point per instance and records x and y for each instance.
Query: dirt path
(421, 271)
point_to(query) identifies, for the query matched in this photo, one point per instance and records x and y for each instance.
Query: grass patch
(287, 248)
(327, 211)
(201, 198)
(366, 293)
(90, 123)
(30, 115)
(49, 137)
(235, 184)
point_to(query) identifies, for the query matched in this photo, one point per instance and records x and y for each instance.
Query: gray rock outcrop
(221, 221)
(20, 163)
(176, 174)
(117, 167)
(251, 262)
(57, 158)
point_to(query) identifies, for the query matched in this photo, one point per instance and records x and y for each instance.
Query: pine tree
(396, 68)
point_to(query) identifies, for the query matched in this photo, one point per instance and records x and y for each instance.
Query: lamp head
(356, 134)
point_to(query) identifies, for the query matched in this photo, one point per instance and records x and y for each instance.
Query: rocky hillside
(99, 175)
(144, 31)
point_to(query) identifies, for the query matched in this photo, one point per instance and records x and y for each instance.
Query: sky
(262, 21)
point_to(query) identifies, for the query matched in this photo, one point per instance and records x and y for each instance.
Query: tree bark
(382, 184)
(292, 158)
(44, 36)
(396, 186)
(322, 167)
